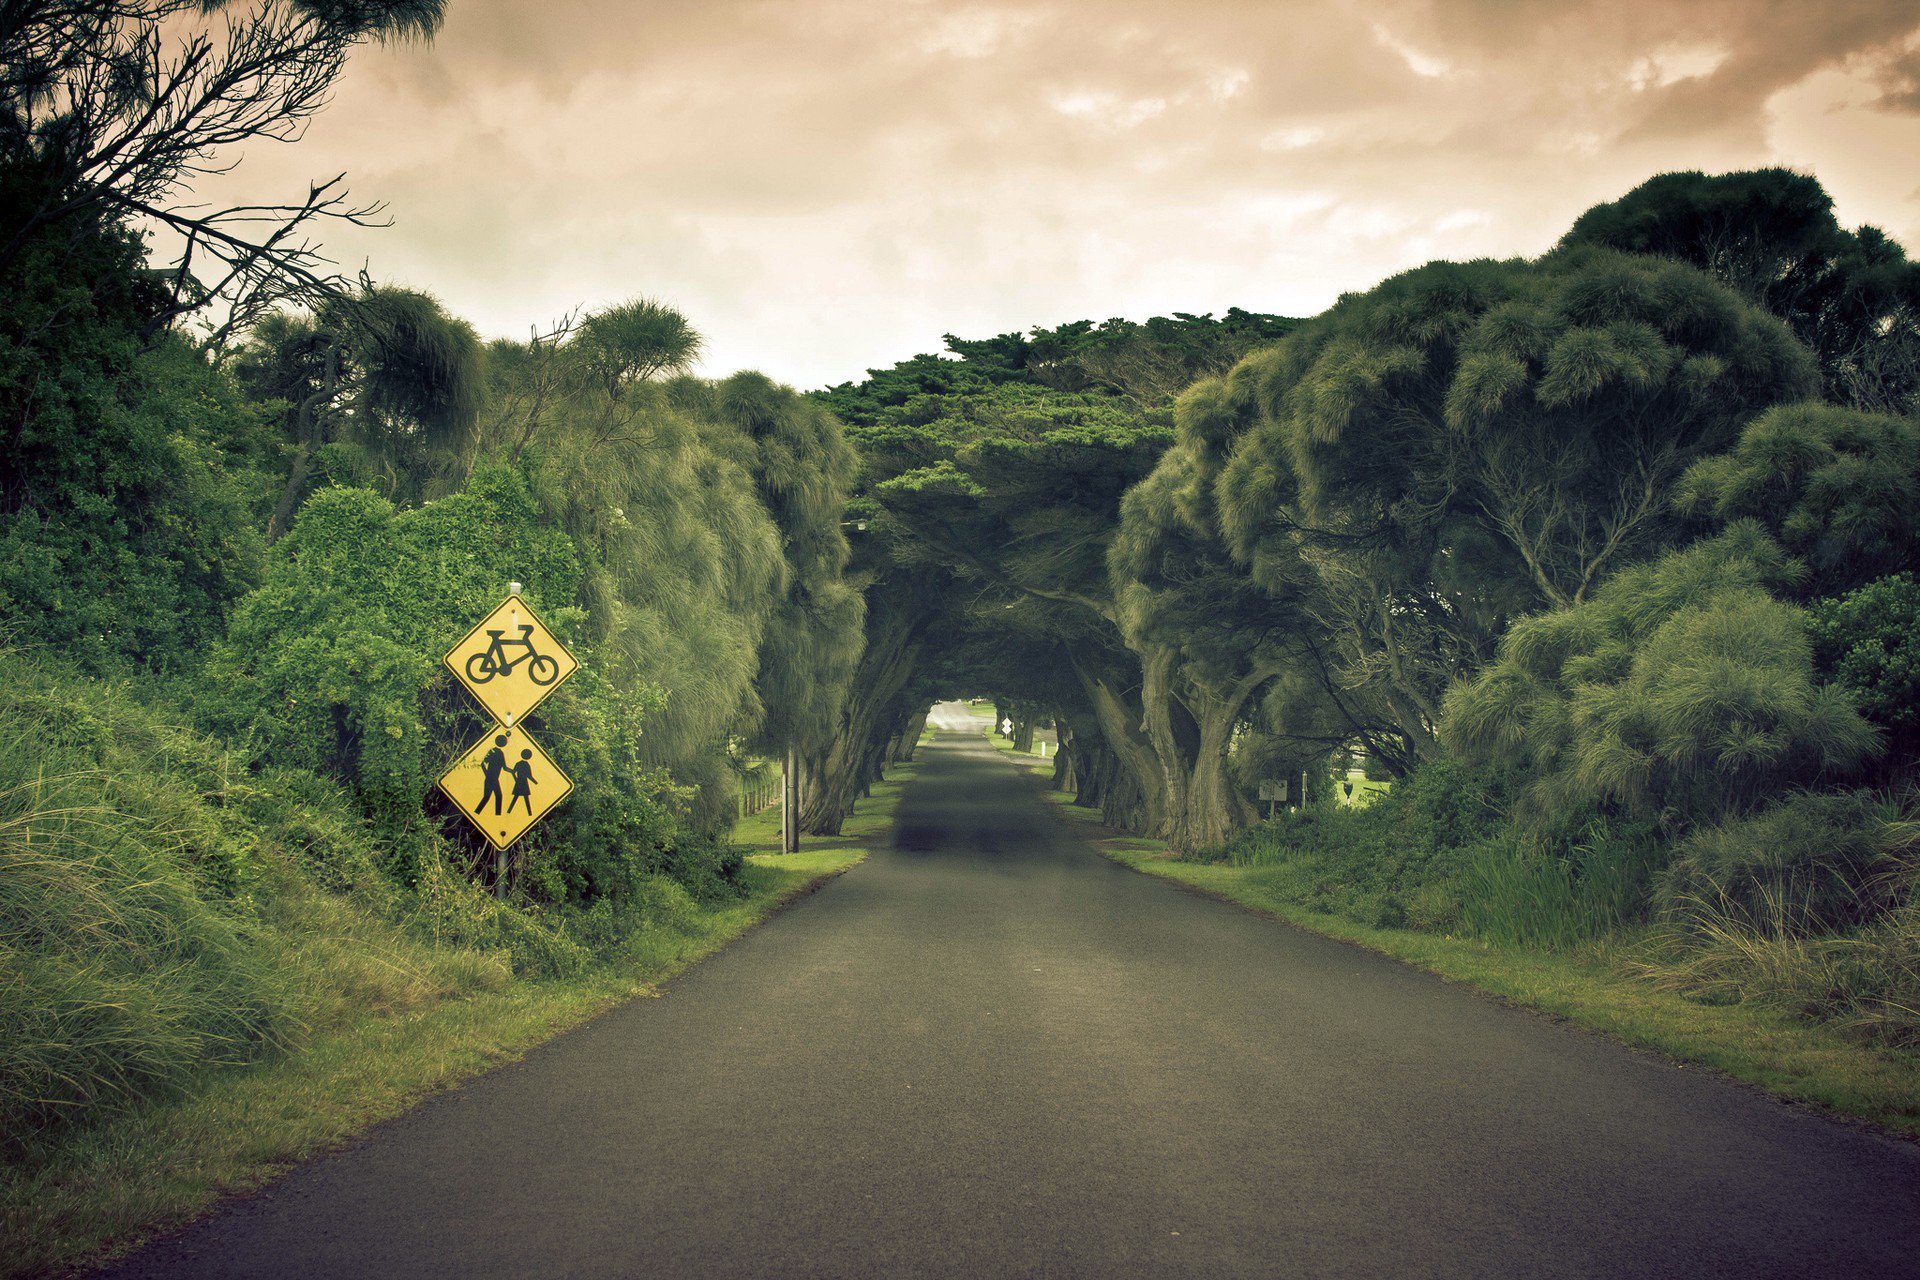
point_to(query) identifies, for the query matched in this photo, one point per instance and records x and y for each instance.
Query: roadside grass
(79, 1198)
(1604, 986)
(1005, 744)
(870, 818)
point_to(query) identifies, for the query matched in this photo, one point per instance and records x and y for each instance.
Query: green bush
(1840, 490)
(455, 912)
(1869, 641)
(1682, 689)
(333, 664)
(1806, 864)
(1397, 863)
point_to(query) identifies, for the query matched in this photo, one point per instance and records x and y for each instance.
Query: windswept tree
(1468, 442)
(1770, 234)
(112, 110)
(804, 471)
(387, 374)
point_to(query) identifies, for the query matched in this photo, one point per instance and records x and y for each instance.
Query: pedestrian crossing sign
(505, 784)
(511, 661)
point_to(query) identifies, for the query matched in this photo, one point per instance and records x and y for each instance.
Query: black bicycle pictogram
(493, 660)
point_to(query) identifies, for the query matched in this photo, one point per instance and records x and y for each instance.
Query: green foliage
(1683, 688)
(1146, 364)
(382, 389)
(683, 562)
(1839, 488)
(128, 485)
(1869, 641)
(1808, 863)
(1514, 397)
(1851, 296)
(1770, 910)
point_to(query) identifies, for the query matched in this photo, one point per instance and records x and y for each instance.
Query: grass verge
(69, 1206)
(1791, 1059)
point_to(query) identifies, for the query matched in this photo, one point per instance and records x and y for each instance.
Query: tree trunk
(1063, 777)
(1156, 705)
(1139, 802)
(1202, 808)
(312, 426)
(910, 740)
(850, 762)
(1214, 809)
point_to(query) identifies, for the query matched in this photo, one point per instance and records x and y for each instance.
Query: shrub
(1682, 689)
(1869, 641)
(1806, 864)
(1839, 488)
(333, 664)
(1396, 863)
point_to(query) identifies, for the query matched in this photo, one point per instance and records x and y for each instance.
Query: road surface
(988, 1051)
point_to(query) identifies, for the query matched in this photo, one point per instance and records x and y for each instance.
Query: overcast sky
(824, 187)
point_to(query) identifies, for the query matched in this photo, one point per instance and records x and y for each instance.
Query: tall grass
(1761, 945)
(1524, 890)
(116, 977)
(159, 915)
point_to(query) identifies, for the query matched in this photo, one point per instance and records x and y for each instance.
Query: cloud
(828, 186)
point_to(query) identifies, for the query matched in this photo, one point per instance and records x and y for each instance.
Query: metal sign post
(790, 803)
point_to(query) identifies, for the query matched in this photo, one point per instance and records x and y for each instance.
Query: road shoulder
(1793, 1061)
(105, 1190)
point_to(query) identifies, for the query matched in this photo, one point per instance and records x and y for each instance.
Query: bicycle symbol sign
(511, 662)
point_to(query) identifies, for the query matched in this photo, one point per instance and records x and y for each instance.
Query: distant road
(991, 1052)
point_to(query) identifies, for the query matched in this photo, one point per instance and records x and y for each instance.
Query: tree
(1466, 442)
(1148, 362)
(1015, 490)
(1851, 296)
(630, 343)
(111, 110)
(387, 372)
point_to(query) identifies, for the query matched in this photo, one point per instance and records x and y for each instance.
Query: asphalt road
(989, 1052)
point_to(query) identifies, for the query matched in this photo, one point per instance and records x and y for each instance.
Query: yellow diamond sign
(510, 662)
(505, 784)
